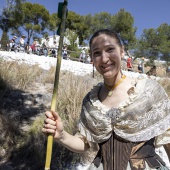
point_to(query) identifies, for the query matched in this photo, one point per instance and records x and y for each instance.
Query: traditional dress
(128, 135)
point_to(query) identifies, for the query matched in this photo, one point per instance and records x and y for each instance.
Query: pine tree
(4, 40)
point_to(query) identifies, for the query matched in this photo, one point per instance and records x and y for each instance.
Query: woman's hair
(106, 32)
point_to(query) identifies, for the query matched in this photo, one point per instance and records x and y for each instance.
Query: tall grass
(72, 90)
(18, 76)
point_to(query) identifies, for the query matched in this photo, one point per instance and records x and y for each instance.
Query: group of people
(14, 46)
(128, 118)
(44, 48)
(48, 50)
(35, 47)
(84, 56)
(140, 64)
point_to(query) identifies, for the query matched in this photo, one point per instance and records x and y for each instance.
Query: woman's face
(106, 55)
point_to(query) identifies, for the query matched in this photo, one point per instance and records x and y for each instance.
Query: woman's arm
(53, 125)
(73, 143)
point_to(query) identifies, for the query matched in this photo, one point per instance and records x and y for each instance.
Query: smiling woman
(128, 124)
(106, 53)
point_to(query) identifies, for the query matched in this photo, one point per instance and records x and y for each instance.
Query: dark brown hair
(106, 32)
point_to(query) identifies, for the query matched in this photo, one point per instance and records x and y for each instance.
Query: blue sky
(146, 13)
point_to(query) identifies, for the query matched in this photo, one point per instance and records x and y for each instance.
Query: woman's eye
(110, 49)
(96, 53)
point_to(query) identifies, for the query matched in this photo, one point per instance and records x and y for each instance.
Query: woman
(129, 64)
(128, 118)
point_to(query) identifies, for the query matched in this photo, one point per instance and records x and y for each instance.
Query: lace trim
(96, 102)
(155, 130)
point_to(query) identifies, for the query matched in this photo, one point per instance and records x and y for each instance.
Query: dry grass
(49, 76)
(18, 75)
(72, 90)
(31, 146)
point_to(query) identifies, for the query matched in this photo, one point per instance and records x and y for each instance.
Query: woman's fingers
(49, 121)
(49, 126)
(52, 124)
(49, 115)
(45, 130)
(52, 115)
(55, 115)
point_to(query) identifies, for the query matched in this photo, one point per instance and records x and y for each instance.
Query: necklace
(112, 88)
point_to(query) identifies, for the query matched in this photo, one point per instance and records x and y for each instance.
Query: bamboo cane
(56, 82)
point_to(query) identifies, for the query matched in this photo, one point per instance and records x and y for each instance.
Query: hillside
(26, 85)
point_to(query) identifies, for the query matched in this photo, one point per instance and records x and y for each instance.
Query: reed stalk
(56, 83)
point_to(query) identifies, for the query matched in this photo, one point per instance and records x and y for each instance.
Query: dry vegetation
(23, 148)
(17, 75)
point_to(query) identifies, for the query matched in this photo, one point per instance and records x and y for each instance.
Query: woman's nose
(105, 57)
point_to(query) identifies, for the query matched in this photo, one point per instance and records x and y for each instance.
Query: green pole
(56, 82)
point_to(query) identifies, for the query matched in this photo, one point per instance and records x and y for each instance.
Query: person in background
(82, 57)
(54, 49)
(141, 65)
(129, 64)
(28, 49)
(46, 47)
(33, 47)
(152, 71)
(126, 117)
(22, 44)
(47, 42)
(12, 44)
(88, 59)
(64, 52)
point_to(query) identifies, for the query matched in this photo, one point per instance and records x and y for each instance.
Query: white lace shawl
(146, 114)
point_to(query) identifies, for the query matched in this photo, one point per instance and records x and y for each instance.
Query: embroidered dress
(141, 118)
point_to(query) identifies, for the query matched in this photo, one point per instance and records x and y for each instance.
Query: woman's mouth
(106, 67)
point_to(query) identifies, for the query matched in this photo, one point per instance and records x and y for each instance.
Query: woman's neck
(110, 82)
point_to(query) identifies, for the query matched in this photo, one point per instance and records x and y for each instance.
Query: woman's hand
(53, 125)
